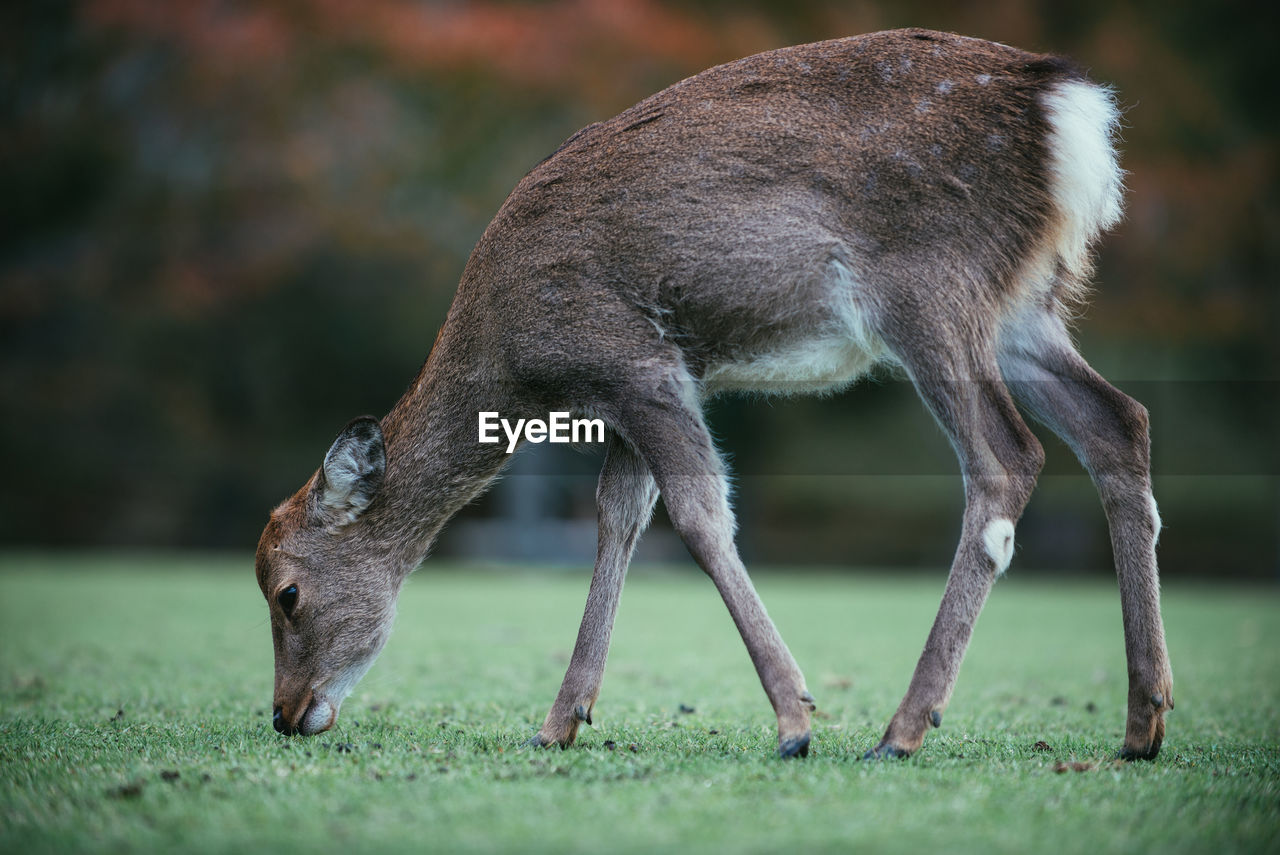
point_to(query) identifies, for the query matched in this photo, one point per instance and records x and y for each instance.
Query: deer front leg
(670, 433)
(699, 510)
(1001, 459)
(625, 497)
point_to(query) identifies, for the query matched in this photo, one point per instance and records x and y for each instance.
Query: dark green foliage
(229, 228)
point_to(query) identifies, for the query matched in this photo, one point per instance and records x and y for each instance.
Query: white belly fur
(823, 354)
(825, 364)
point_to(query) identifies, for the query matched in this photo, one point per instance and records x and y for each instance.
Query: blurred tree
(230, 226)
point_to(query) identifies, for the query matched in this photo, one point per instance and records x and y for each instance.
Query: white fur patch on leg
(997, 537)
(1155, 517)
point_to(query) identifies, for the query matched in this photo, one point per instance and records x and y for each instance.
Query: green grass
(135, 715)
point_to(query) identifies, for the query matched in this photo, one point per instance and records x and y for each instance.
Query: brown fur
(892, 192)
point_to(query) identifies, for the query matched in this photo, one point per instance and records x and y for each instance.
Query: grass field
(135, 715)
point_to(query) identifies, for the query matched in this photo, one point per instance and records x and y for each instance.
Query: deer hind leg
(1000, 459)
(1107, 430)
(665, 424)
(625, 497)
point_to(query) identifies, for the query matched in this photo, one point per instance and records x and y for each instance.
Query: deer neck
(435, 465)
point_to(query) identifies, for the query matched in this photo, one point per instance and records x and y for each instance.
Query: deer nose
(278, 722)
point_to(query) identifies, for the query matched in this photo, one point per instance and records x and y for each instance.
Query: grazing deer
(781, 224)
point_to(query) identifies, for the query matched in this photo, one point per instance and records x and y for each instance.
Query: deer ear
(352, 471)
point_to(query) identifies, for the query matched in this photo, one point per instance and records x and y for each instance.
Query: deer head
(331, 596)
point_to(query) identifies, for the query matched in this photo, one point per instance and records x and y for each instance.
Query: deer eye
(288, 598)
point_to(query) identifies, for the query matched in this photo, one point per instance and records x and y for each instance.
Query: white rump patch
(1087, 182)
(997, 537)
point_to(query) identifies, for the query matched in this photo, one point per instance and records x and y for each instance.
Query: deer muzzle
(314, 714)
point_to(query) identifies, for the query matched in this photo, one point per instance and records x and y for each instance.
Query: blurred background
(229, 227)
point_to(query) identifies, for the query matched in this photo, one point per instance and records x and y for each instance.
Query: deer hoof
(884, 751)
(1145, 747)
(1130, 754)
(540, 741)
(581, 713)
(1157, 700)
(796, 746)
(935, 718)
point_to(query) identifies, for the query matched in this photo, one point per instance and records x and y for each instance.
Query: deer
(780, 224)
